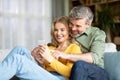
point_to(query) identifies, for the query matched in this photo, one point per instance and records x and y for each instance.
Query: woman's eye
(62, 29)
(55, 30)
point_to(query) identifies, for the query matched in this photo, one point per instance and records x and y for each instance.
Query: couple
(57, 59)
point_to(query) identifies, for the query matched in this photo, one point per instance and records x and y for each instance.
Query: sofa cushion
(4, 53)
(112, 64)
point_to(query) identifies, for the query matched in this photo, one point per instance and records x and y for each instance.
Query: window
(24, 22)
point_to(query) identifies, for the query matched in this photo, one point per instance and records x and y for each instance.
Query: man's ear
(88, 24)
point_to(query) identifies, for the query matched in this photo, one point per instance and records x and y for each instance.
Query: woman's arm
(64, 68)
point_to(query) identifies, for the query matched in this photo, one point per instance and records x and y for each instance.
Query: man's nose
(73, 28)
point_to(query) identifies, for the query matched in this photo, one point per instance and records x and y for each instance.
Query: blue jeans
(19, 62)
(82, 70)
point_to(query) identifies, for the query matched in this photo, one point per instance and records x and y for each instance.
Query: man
(90, 64)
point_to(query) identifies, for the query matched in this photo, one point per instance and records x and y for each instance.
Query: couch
(111, 61)
(112, 65)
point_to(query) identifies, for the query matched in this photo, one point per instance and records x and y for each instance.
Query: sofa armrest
(112, 64)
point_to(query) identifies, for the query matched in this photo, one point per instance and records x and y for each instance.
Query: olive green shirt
(93, 40)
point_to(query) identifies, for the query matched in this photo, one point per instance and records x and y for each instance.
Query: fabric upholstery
(112, 64)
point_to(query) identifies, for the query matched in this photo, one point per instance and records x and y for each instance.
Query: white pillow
(110, 47)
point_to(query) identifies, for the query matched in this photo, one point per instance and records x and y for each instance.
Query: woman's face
(61, 33)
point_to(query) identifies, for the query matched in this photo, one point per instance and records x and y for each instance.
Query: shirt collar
(88, 31)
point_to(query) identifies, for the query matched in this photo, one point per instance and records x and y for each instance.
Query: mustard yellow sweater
(63, 66)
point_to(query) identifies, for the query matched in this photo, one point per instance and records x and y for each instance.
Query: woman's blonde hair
(64, 20)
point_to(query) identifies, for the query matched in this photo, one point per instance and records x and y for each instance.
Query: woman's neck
(63, 46)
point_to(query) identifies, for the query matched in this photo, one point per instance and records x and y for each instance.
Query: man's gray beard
(75, 35)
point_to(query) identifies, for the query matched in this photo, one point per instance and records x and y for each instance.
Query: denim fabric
(19, 62)
(85, 71)
(58, 75)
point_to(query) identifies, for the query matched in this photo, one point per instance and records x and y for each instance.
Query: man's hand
(57, 54)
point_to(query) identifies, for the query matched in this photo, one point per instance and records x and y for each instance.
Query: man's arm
(74, 57)
(85, 57)
(95, 53)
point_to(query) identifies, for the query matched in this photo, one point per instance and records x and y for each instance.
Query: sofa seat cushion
(112, 64)
(4, 53)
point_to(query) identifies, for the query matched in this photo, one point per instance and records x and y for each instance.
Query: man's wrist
(50, 59)
(68, 56)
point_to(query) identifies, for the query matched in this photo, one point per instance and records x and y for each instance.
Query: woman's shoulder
(74, 45)
(74, 48)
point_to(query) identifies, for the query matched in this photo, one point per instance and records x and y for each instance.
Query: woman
(62, 41)
(19, 61)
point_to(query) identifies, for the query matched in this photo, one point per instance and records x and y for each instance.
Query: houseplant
(106, 22)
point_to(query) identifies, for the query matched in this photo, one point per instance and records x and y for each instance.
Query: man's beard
(75, 35)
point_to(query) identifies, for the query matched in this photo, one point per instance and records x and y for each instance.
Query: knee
(79, 63)
(19, 47)
(19, 50)
(77, 70)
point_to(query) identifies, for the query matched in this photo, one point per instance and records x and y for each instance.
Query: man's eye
(71, 24)
(78, 26)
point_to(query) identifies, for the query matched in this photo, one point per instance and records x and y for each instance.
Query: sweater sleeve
(65, 68)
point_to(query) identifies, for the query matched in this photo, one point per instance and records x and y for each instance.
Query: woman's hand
(45, 53)
(37, 56)
(35, 51)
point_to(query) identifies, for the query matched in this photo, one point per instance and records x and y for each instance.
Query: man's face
(77, 26)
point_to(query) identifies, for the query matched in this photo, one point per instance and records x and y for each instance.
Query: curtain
(24, 22)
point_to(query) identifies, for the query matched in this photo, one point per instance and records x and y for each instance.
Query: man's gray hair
(81, 12)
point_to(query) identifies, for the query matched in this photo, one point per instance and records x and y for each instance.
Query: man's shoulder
(96, 30)
(97, 33)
